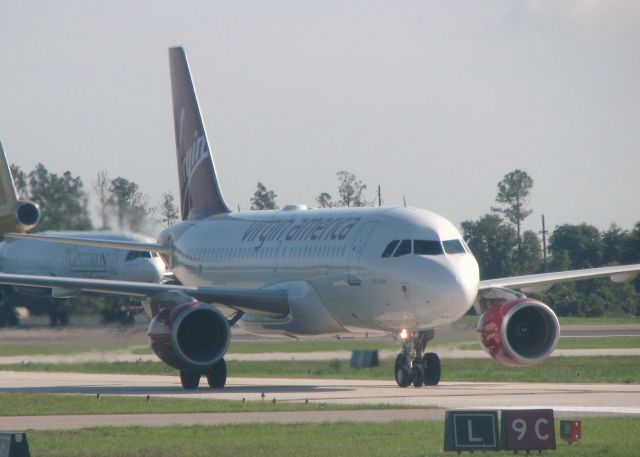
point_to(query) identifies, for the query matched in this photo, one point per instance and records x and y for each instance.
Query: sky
(433, 100)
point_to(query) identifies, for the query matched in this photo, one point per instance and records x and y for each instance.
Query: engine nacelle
(520, 332)
(191, 335)
(23, 217)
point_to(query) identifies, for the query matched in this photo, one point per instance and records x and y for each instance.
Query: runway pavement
(444, 353)
(577, 399)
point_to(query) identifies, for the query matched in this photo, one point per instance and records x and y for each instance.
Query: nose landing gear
(412, 365)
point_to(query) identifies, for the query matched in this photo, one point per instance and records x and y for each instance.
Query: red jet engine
(520, 332)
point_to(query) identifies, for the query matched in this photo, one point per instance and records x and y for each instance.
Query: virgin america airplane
(300, 271)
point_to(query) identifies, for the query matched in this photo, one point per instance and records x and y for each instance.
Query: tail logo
(195, 155)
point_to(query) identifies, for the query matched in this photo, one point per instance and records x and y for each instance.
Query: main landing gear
(216, 376)
(412, 365)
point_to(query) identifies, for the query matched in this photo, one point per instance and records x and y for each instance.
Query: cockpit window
(389, 249)
(427, 247)
(403, 249)
(453, 247)
(131, 255)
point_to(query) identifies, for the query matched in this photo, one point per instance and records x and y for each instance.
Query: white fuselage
(45, 258)
(333, 259)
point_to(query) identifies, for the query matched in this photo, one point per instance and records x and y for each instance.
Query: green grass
(36, 404)
(616, 342)
(599, 320)
(613, 437)
(613, 342)
(556, 369)
(244, 347)
(59, 349)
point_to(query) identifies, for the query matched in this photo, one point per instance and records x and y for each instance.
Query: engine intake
(191, 335)
(27, 214)
(521, 332)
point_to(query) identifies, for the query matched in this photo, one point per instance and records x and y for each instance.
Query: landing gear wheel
(63, 317)
(431, 369)
(418, 373)
(217, 375)
(403, 371)
(53, 319)
(190, 379)
(8, 313)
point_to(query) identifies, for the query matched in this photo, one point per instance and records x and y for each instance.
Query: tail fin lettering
(200, 194)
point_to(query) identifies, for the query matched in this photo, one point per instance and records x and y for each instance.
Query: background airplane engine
(24, 216)
(191, 335)
(520, 332)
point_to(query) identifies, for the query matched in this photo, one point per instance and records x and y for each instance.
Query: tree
(129, 204)
(632, 250)
(167, 209)
(513, 192)
(492, 242)
(324, 200)
(20, 181)
(62, 200)
(101, 187)
(582, 243)
(615, 245)
(529, 258)
(263, 198)
(350, 190)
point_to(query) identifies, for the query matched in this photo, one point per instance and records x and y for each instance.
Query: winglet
(200, 194)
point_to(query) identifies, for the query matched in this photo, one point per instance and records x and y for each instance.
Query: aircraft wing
(265, 302)
(542, 282)
(130, 245)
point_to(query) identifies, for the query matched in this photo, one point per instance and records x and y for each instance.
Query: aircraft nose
(460, 280)
(149, 271)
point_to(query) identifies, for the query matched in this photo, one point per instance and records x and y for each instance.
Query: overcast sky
(435, 100)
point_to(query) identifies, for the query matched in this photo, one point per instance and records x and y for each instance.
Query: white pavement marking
(612, 398)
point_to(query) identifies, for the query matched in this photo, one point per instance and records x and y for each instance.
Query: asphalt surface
(569, 399)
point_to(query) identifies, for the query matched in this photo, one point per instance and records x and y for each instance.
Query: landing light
(404, 334)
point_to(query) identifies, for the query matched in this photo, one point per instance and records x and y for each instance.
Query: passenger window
(427, 247)
(389, 249)
(453, 247)
(403, 249)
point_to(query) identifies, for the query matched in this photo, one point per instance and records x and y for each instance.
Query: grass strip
(613, 437)
(36, 404)
(625, 369)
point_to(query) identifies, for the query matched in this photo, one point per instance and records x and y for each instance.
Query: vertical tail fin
(15, 215)
(8, 193)
(200, 194)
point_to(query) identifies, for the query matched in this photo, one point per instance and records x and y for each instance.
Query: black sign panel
(14, 444)
(471, 431)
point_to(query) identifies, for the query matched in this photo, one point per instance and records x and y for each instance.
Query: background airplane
(298, 271)
(41, 257)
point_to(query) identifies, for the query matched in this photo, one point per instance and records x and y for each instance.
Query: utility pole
(544, 245)
(379, 196)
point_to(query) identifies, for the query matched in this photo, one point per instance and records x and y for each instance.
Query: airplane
(42, 257)
(300, 271)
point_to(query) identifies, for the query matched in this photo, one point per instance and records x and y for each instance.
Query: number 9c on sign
(531, 429)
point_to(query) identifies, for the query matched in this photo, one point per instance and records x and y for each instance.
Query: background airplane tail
(15, 215)
(200, 194)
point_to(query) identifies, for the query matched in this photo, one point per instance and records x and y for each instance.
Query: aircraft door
(356, 249)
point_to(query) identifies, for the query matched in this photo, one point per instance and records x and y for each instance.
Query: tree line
(497, 239)
(64, 202)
